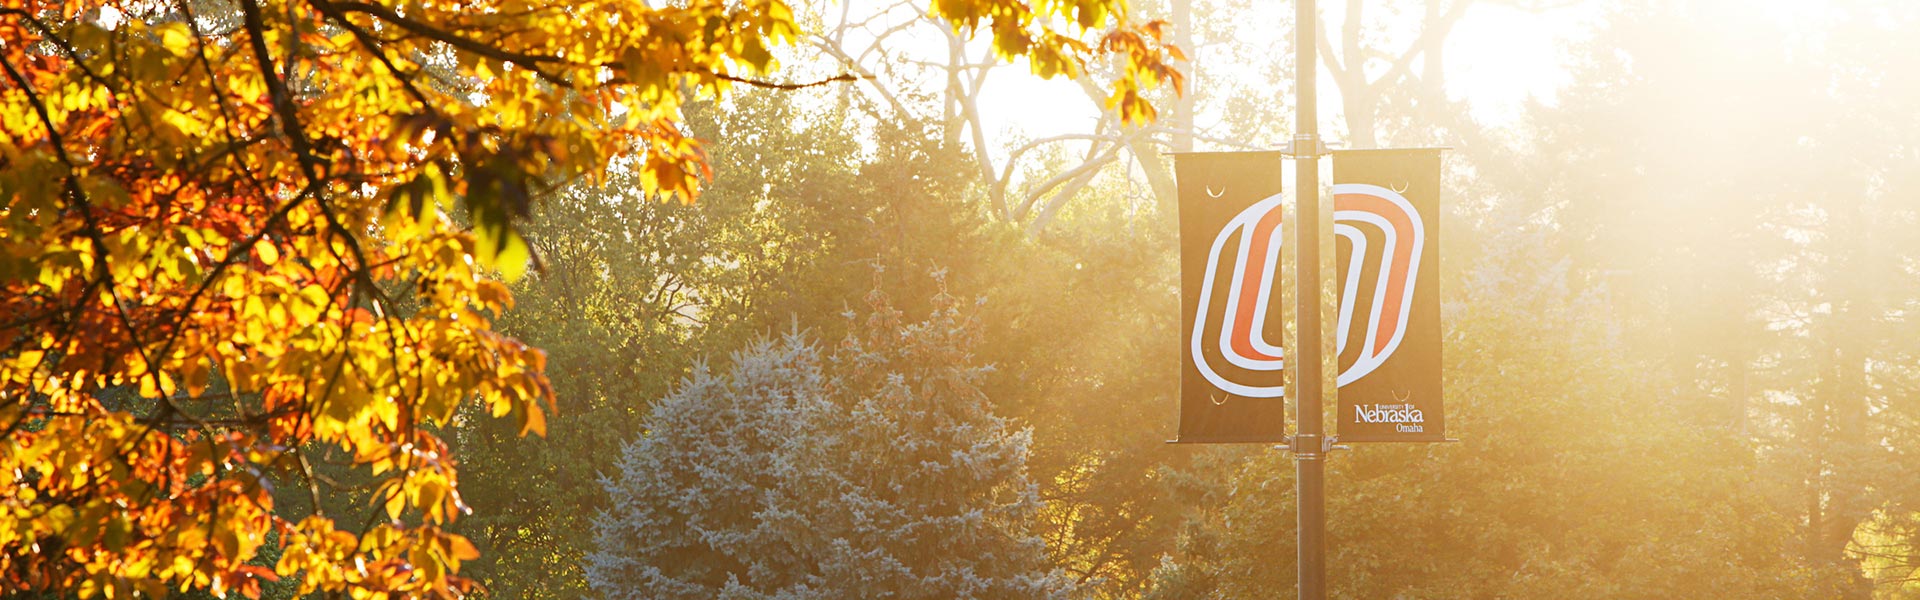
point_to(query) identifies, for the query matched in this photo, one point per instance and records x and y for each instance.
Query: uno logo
(1242, 307)
(1386, 237)
(1230, 346)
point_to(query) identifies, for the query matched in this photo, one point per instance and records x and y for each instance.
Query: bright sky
(1497, 58)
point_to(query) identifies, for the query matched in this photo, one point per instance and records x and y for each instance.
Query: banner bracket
(1308, 446)
(1327, 445)
(1305, 145)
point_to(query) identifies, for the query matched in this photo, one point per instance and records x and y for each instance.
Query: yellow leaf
(156, 385)
(105, 191)
(430, 495)
(508, 252)
(532, 420)
(174, 37)
(198, 374)
(268, 254)
(396, 501)
(227, 541)
(462, 548)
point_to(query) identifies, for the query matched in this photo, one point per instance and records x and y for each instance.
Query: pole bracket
(1305, 145)
(1328, 444)
(1308, 446)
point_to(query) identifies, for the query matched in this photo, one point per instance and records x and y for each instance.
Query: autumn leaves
(251, 252)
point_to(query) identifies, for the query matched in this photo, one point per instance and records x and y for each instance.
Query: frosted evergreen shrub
(875, 470)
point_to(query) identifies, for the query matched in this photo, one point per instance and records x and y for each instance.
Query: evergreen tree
(875, 470)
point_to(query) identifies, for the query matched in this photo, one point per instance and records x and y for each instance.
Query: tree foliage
(247, 243)
(251, 301)
(877, 471)
(627, 305)
(1678, 358)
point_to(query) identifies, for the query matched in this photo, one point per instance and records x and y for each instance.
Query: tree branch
(786, 86)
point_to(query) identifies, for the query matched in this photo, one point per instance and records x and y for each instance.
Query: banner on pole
(1386, 249)
(1232, 378)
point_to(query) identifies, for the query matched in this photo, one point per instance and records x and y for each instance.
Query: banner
(1386, 249)
(1232, 378)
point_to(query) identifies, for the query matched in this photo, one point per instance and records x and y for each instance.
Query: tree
(1712, 329)
(1549, 494)
(875, 472)
(634, 292)
(248, 242)
(904, 79)
(1767, 263)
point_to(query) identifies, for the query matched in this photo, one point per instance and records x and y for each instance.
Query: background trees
(1707, 282)
(1636, 359)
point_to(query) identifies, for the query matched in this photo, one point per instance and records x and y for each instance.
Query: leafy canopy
(244, 238)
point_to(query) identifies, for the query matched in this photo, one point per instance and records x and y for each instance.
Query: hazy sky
(1497, 58)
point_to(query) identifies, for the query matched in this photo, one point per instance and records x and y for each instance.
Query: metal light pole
(1309, 446)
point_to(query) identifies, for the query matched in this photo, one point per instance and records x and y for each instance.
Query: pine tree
(875, 471)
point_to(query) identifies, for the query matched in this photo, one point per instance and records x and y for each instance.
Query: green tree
(634, 293)
(878, 472)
